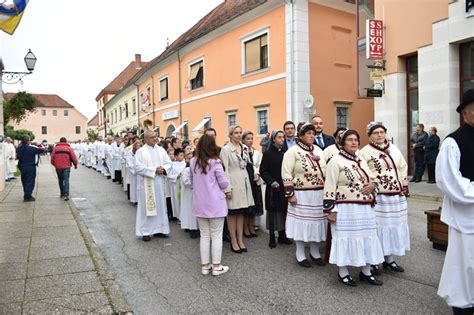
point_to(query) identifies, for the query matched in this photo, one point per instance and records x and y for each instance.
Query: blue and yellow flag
(11, 12)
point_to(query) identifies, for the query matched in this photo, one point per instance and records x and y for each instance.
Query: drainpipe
(292, 66)
(179, 93)
(137, 103)
(153, 100)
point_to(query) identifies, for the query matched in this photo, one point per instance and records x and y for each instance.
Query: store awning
(176, 131)
(200, 125)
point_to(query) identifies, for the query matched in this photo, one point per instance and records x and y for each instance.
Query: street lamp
(12, 77)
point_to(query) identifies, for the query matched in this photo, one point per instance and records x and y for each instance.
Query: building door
(412, 106)
(466, 60)
(169, 130)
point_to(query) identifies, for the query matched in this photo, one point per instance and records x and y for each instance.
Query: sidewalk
(48, 261)
(425, 191)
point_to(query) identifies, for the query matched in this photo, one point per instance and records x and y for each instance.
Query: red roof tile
(45, 100)
(94, 121)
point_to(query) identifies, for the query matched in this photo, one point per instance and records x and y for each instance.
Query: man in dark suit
(290, 136)
(321, 139)
(27, 155)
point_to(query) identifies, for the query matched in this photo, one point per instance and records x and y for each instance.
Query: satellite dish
(309, 101)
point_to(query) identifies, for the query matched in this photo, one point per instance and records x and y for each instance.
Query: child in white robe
(188, 220)
(174, 175)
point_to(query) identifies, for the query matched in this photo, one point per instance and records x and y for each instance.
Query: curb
(426, 198)
(106, 278)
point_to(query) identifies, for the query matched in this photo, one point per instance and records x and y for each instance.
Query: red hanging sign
(374, 39)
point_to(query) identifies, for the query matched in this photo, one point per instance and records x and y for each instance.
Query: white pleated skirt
(354, 236)
(391, 213)
(306, 221)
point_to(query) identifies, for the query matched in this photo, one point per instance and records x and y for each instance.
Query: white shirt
(458, 203)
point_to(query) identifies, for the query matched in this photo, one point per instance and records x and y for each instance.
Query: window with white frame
(43, 112)
(342, 117)
(126, 110)
(196, 75)
(78, 130)
(262, 121)
(55, 112)
(44, 130)
(163, 89)
(231, 119)
(256, 53)
(66, 112)
(134, 106)
(121, 112)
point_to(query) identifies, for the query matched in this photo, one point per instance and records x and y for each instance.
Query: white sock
(343, 271)
(389, 259)
(300, 254)
(314, 249)
(366, 270)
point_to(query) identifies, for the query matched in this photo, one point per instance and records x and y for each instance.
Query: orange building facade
(256, 64)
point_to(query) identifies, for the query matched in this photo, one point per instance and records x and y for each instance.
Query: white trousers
(456, 285)
(211, 231)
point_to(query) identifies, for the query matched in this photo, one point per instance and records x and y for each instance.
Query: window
(43, 112)
(196, 75)
(115, 115)
(126, 110)
(467, 66)
(256, 53)
(78, 130)
(163, 89)
(342, 117)
(208, 124)
(134, 106)
(148, 95)
(44, 130)
(231, 119)
(55, 112)
(66, 112)
(262, 121)
(121, 112)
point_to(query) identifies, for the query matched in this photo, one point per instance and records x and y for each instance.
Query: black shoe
(146, 238)
(29, 199)
(375, 270)
(418, 181)
(194, 233)
(237, 251)
(413, 180)
(225, 238)
(370, 279)
(284, 240)
(248, 235)
(66, 198)
(108, 177)
(244, 250)
(431, 182)
(253, 235)
(160, 235)
(319, 261)
(304, 263)
(347, 280)
(393, 266)
(272, 244)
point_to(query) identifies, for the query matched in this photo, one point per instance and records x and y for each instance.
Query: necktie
(319, 140)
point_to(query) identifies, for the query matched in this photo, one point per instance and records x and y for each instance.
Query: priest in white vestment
(10, 155)
(151, 165)
(455, 177)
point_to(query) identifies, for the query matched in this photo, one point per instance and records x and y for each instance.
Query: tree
(18, 107)
(18, 134)
(92, 135)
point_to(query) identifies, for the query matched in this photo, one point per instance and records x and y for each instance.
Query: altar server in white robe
(10, 155)
(174, 175)
(151, 164)
(108, 169)
(88, 156)
(455, 177)
(132, 175)
(100, 154)
(188, 220)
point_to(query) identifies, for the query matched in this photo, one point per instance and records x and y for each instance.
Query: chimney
(138, 61)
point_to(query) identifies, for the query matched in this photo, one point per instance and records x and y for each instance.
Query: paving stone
(52, 216)
(40, 268)
(61, 285)
(13, 255)
(38, 253)
(12, 291)
(14, 242)
(57, 240)
(12, 271)
(46, 223)
(16, 216)
(10, 309)
(95, 302)
(54, 230)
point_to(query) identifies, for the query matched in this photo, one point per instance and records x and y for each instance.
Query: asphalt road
(163, 276)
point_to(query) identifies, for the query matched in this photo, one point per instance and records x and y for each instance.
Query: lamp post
(10, 77)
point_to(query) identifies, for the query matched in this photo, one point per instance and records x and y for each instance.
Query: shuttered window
(164, 89)
(196, 75)
(256, 53)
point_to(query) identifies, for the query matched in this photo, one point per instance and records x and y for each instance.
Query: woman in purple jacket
(209, 203)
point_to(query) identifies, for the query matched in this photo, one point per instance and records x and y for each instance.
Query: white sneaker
(206, 270)
(219, 271)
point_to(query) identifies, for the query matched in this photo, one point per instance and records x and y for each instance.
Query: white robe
(131, 175)
(176, 169)
(10, 163)
(109, 170)
(115, 157)
(100, 154)
(188, 221)
(149, 225)
(88, 156)
(456, 285)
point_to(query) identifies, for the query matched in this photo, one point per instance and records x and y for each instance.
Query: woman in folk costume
(303, 179)
(132, 175)
(253, 165)
(348, 198)
(334, 149)
(234, 159)
(275, 200)
(188, 220)
(389, 167)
